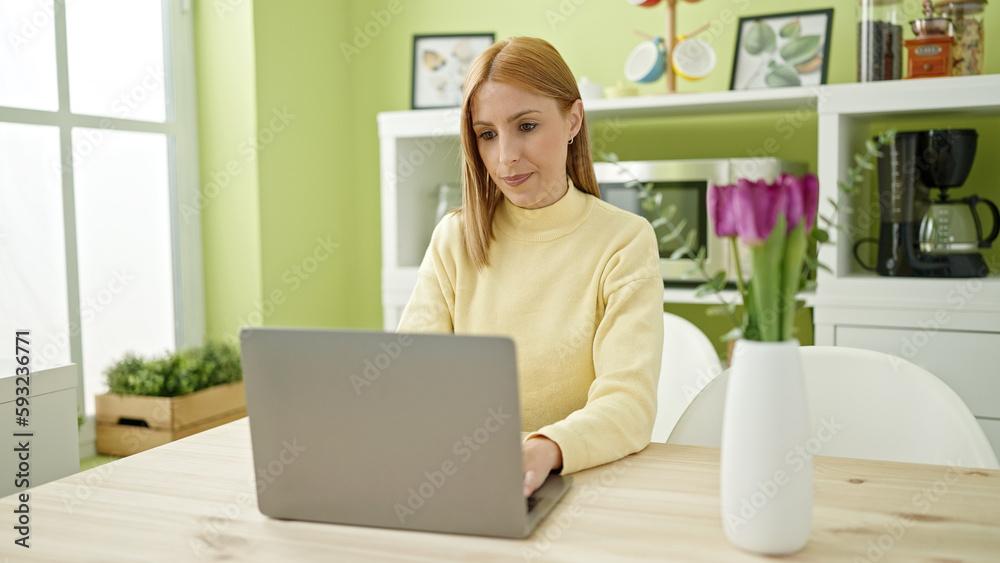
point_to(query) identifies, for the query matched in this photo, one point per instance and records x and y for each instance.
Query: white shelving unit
(951, 327)
(420, 150)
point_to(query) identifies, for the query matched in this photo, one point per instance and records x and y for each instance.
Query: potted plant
(154, 401)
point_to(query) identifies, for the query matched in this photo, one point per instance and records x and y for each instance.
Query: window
(97, 146)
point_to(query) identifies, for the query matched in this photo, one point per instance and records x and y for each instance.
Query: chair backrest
(690, 362)
(867, 405)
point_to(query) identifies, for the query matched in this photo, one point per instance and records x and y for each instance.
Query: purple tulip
(721, 211)
(810, 191)
(750, 209)
(803, 199)
(758, 205)
(794, 205)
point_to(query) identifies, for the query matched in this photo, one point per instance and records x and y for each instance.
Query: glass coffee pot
(954, 227)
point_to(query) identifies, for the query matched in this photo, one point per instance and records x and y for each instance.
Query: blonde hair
(535, 66)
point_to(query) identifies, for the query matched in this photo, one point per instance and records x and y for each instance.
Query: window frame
(180, 129)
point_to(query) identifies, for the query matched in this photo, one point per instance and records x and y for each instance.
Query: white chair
(867, 405)
(690, 362)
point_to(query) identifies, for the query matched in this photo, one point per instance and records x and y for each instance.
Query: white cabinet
(53, 446)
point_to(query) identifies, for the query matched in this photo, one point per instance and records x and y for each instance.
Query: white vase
(766, 473)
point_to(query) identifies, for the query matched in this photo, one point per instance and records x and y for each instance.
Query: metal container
(931, 26)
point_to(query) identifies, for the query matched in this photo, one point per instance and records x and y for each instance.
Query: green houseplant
(152, 401)
(175, 373)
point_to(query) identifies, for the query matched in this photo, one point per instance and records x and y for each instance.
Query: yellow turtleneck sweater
(577, 286)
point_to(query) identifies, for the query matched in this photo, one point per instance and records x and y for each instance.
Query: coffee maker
(927, 234)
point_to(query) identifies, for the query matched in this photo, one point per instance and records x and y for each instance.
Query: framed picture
(440, 63)
(779, 50)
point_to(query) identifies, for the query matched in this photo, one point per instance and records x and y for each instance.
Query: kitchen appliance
(922, 235)
(684, 183)
(953, 226)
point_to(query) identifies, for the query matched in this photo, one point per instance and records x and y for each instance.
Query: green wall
(336, 65)
(227, 116)
(310, 240)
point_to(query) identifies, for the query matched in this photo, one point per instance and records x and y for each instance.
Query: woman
(535, 254)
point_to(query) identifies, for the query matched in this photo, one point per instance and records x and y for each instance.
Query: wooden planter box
(128, 424)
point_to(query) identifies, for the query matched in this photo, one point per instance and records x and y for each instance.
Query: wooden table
(194, 500)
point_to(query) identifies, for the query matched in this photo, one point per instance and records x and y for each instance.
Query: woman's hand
(541, 456)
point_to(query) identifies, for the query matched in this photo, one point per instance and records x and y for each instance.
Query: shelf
(891, 97)
(660, 105)
(427, 123)
(970, 295)
(927, 96)
(418, 123)
(685, 295)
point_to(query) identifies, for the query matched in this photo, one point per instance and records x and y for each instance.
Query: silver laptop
(416, 432)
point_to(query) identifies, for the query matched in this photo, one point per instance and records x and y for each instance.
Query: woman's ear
(575, 118)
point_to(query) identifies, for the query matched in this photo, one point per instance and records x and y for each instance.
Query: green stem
(795, 250)
(739, 269)
(705, 274)
(766, 286)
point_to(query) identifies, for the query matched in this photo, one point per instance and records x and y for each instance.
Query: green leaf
(718, 281)
(734, 334)
(689, 240)
(676, 231)
(716, 284)
(680, 253)
(863, 164)
(791, 29)
(720, 310)
(760, 39)
(705, 289)
(870, 146)
(609, 157)
(766, 286)
(820, 235)
(782, 76)
(795, 251)
(634, 185)
(801, 49)
(658, 222)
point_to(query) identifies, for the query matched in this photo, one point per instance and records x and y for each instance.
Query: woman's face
(523, 139)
